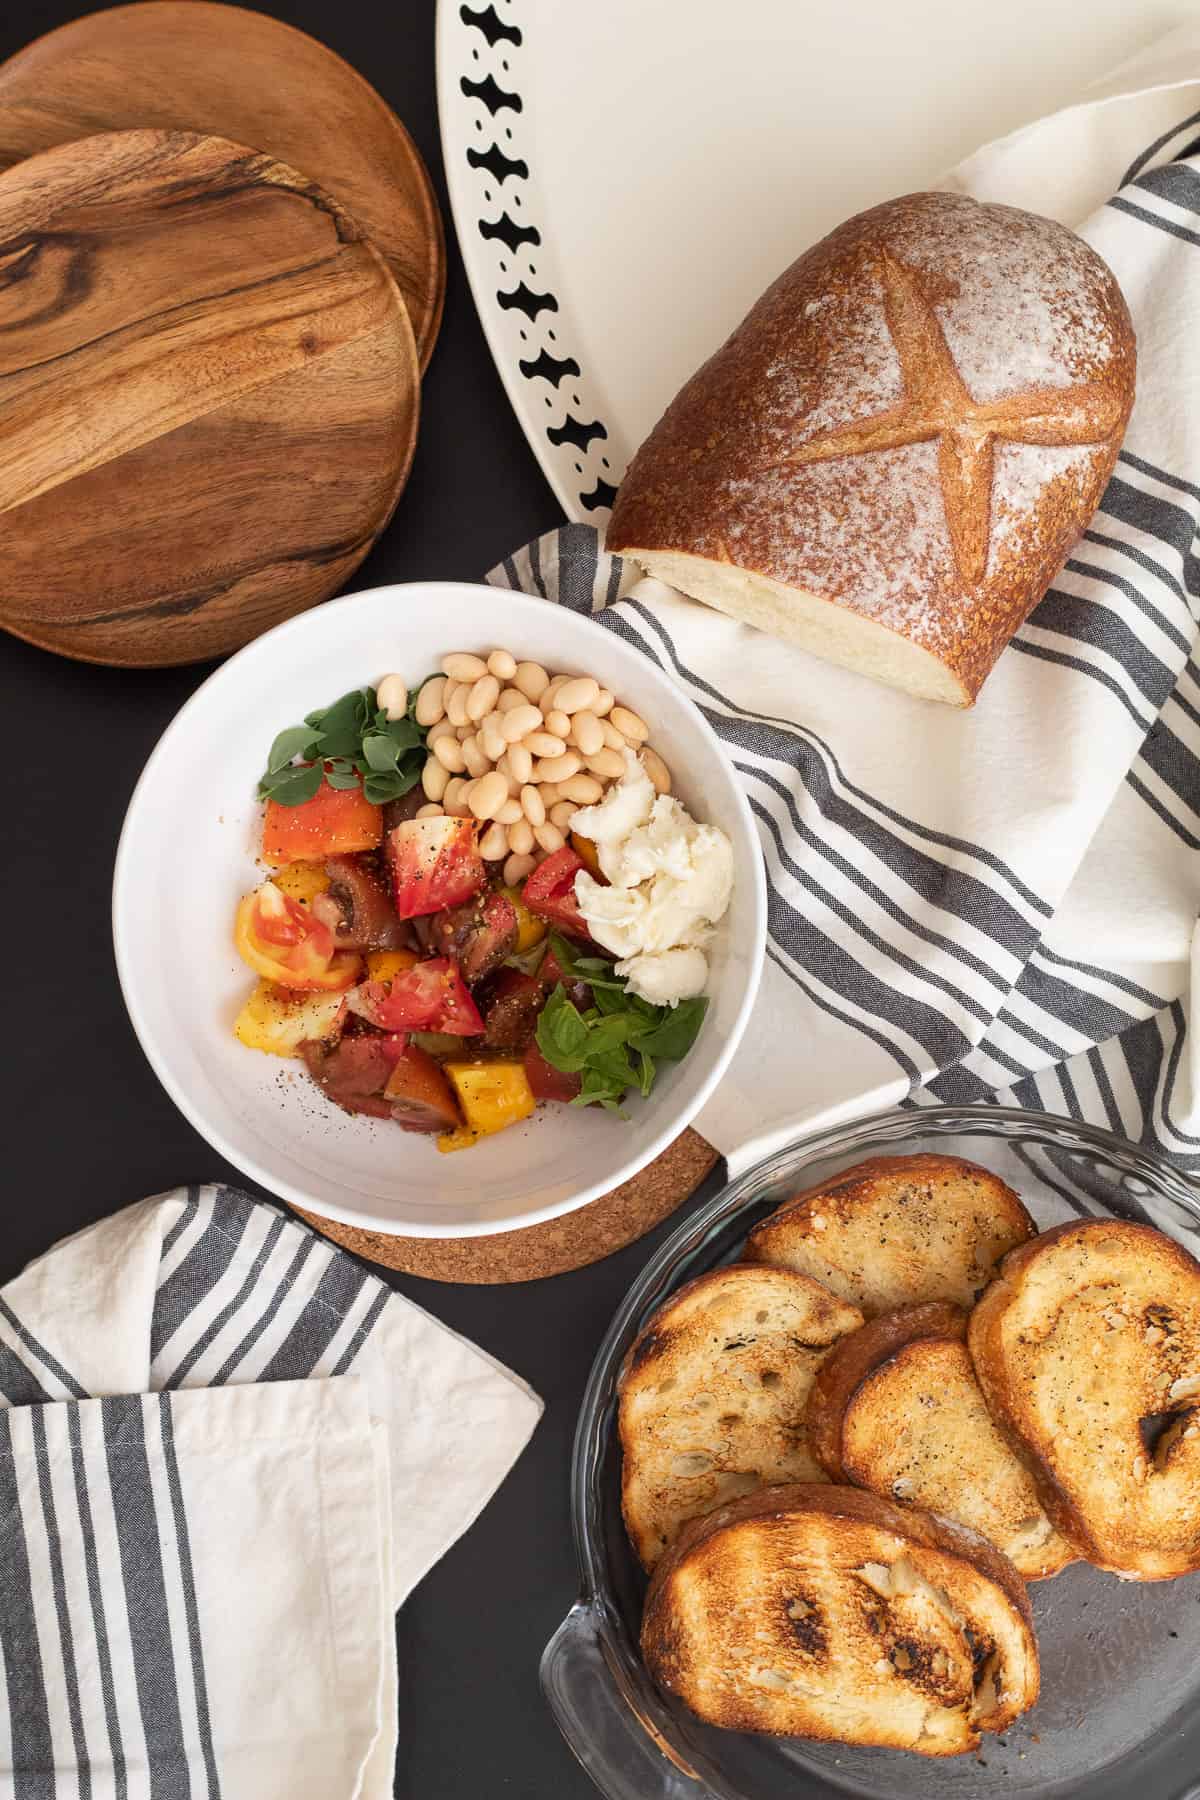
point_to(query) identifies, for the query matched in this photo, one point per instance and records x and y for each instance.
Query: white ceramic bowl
(187, 853)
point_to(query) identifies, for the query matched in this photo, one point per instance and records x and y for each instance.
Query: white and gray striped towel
(1000, 904)
(227, 1455)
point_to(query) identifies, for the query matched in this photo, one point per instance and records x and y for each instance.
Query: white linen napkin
(1001, 903)
(227, 1455)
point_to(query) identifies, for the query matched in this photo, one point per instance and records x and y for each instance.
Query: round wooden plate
(210, 396)
(196, 66)
(570, 1242)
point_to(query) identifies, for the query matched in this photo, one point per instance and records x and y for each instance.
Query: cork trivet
(569, 1242)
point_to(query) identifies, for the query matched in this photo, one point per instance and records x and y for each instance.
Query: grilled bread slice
(713, 1395)
(897, 1230)
(896, 1408)
(1087, 1349)
(825, 1612)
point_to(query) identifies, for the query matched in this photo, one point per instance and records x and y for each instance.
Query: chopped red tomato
(355, 1073)
(419, 1095)
(282, 941)
(547, 1082)
(431, 996)
(335, 822)
(550, 892)
(478, 935)
(435, 863)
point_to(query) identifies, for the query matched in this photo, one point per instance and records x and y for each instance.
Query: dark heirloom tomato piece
(550, 974)
(355, 1073)
(406, 807)
(511, 1011)
(420, 1097)
(431, 996)
(357, 908)
(547, 1082)
(478, 935)
(434, 863)
(550, 892)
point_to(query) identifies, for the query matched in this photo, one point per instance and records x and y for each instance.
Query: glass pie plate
(1118, 1712)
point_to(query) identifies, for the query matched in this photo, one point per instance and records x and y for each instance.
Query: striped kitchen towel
(998, 904)
(227, 1454)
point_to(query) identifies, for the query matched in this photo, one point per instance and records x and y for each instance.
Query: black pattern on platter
(491, 93)
(498, 166)
(491, 24)
(602, 495)
(549, 368)
(509, 232)
(574, 431)
(530, 304)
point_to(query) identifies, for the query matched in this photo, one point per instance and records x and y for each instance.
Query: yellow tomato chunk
(459, 1139)
(530, 929)
(493, 1095)
(278, 1020)
(587, 853)
(384, 965)
(302, 881)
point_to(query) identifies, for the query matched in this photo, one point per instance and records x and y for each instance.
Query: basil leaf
(562, 1033)
(380, 753)
(646, 1072)
(297, 740)
(293, 786)
(673, 1038)
(592, 969)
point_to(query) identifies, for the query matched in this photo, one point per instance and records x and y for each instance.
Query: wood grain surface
(208, 396)
(569, 1242)
(221, 70)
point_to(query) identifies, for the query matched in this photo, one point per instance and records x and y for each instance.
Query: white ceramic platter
(627, 177)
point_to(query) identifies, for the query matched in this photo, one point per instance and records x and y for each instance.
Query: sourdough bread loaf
(892, 455)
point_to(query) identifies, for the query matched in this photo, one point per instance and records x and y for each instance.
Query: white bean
(456, 703)
(520, 763)
(431, 701)
(477, 762)
(575, 696)
(392, 696)
(533, 806)
(548, 837)
(510, 697)
(454, 799)
(491, 738)
(442, 729)
(587, 732)
(656, 769)
(520, 837)
(449, 753)
(562, 814)
(482, 698)
(516, 869)
(558, 722)
(520, 722)
(606, 764)
(604, 705)
(551, 694)
(493, 845)
(557, 768)
(461, 666)
(431, 811)
(488, 795)
(549, 792)
(629, 724)
(502, 664)
(510, 812)
(585, 790)
(532, 679)
(612, 737)
(435, 778)
(545, 743)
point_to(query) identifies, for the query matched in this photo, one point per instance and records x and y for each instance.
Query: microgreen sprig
(350, 743)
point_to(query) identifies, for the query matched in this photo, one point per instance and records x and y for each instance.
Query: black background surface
(87, 1127)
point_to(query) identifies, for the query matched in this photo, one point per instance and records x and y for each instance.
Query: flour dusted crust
(915, 423)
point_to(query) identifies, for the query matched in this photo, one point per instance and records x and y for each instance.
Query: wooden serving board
(210, 396)
(570, 1242)
(195, 66)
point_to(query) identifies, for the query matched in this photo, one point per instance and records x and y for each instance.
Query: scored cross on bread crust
(828, 1613)
(1087, 1349)
(938, 404)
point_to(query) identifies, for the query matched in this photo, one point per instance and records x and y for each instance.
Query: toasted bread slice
(896, 1408)
(713, 1395)
(896, 1231)
(825, 1612)
(1087, 1349)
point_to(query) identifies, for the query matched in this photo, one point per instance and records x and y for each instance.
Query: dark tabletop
(87, 1127)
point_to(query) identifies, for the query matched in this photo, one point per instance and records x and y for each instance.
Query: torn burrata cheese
(669, 878)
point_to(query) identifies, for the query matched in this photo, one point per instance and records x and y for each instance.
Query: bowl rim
(320, 619)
